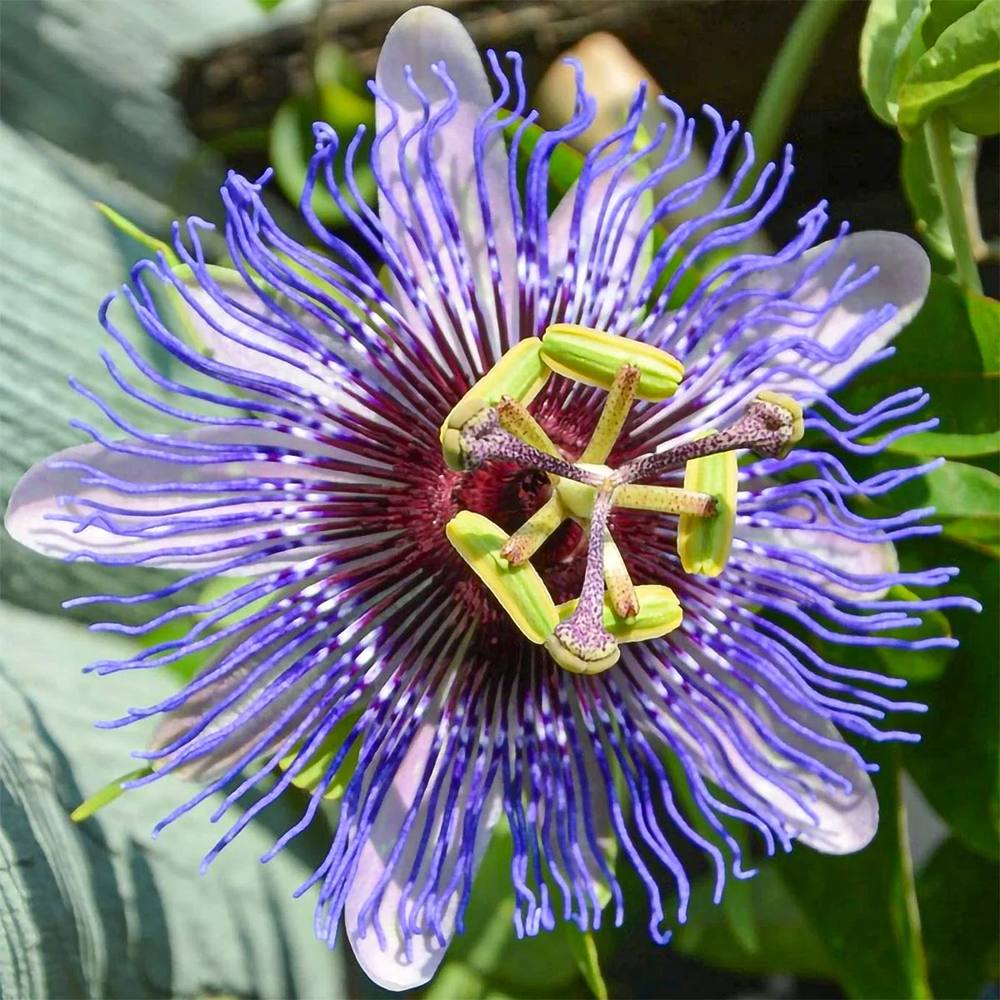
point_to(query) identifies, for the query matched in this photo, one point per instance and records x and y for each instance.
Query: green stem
(919, 982)
(938, 134)
(786, 79)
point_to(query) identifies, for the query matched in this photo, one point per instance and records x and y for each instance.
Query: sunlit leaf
(960, 73)
(890, 43)
(99, 908)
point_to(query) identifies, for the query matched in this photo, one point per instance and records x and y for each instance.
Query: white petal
(421, 37)
(390, 968)
(619, 236)
(233, 341)
(841, 822)
(902, 280)
(36, 498)
(874, 558)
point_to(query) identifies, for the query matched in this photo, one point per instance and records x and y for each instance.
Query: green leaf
(941, 14)
(99, 908)
(955, 764)
(916, 664)
(959, 895)
(268, 5)
(890, 44)
(933, 444)
(784, 941)
(584, 950)
(130, 229)
(863, 906)
(952, 350)
(960, 72)
(924, 197)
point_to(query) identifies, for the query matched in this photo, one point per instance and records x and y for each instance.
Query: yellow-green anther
(516, 420)
(107, 794)
(528, 539)
(703, 543)
(659, 613)
(665, 500)
(621, 591)
(594, 357)
(519, 374)
(795, 411)
(519, 589)
(613, 415)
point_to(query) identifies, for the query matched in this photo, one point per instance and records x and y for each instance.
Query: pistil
(581, 643)
(482, 439)
(769, 427)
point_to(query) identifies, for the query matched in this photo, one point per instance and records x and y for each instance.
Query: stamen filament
(621, 590)
(581, 643)
(616, 410)
(528, 539)
(515, 419)
(665, 500)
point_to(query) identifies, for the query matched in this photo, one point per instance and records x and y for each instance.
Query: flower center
(491, 424)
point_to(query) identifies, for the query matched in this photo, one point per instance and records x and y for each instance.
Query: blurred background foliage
(893, 107)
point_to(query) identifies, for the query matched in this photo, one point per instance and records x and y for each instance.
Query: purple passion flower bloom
(517, 539)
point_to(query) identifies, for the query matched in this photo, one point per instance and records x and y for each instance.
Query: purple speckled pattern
(304, 461)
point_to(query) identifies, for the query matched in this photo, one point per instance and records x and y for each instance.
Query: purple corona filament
(297, 451)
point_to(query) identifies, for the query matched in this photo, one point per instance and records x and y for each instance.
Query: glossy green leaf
(959, 894)
(955, 764)
(941, 14)
(933, 444)
(960, 73)
(924, 197)
(890, 43)
(863, 906)
(952, 350)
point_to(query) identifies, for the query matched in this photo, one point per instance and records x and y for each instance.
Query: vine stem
(786, 79)
(938, 137)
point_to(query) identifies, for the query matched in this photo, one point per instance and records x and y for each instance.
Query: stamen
(703, 543)
(519, 589)
(528, 539)
(515, 419)
(613, 416)
(660, 613)
(594, 358)
(621, 590)
(665, 500)
(770, 426)
(581, 643)
(519, 374)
